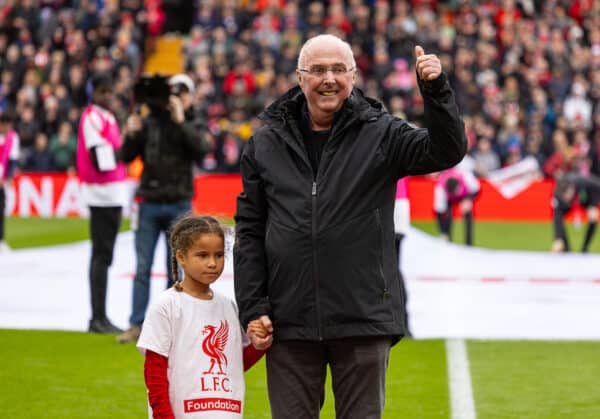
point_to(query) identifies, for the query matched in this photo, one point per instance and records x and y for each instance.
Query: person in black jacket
(567, 190)
(314, 257)
(168, 145)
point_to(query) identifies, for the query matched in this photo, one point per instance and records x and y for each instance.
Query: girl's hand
(260, 333)
(258, 328)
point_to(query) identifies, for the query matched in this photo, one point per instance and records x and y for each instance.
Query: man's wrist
(435, 85)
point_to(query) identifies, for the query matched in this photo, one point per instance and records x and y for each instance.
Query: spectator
(509, 60)
(577, 108)
(27, 128)
(125, 52)
(63, 147)
(240, 81)
(561, 161)
(39, 159)
(51, 118)
(485, 158)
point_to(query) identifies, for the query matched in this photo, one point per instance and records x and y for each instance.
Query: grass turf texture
(66, 375)
(35, 231)
(541, 380)
(516, 236)
(32, 232)
(46, 374)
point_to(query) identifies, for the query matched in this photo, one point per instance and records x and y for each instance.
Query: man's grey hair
(307, 44)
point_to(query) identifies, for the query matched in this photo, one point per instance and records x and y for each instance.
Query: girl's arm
(251, 356)
(261, 338)
(155, 375)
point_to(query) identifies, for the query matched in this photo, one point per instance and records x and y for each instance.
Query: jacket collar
(284, 116)
(289, 106)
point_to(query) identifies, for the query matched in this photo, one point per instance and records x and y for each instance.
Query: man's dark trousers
(296, 373)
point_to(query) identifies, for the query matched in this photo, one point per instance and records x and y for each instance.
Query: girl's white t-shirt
(204, 342)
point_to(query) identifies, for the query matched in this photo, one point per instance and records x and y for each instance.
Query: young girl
(196, 352)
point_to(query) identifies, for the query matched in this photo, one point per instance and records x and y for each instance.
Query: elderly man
(315, 257)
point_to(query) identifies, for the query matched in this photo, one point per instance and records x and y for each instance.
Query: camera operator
(168, 145)
(182, 86)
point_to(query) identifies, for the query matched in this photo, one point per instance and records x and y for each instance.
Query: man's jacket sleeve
(250, 268)
(440, 145)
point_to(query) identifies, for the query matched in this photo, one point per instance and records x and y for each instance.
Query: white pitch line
(459, 380)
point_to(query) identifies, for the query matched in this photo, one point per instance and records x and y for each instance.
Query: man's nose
(329, 76)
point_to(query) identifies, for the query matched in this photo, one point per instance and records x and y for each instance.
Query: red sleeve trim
(251, 356)
(155, 375)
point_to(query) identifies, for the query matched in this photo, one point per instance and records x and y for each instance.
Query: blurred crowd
(526, 73)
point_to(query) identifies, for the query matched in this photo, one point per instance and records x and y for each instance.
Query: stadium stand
(526, 72)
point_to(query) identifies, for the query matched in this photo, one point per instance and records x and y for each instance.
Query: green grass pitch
(52, 374)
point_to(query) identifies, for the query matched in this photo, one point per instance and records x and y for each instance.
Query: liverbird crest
(213, 345)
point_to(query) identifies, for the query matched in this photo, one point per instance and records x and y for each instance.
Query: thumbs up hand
(429, 66)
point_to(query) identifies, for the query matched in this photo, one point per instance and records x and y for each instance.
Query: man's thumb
(419, 51)
(266, 321)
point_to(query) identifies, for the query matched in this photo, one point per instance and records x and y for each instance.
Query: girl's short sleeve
(157, 333)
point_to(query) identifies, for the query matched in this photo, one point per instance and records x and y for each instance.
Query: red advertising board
(56, 195)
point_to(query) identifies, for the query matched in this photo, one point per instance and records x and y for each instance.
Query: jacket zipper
(313, 194)
(314, 247)
(386, 293)
(314, 234)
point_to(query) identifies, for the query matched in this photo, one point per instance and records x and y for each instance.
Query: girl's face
(203, 262)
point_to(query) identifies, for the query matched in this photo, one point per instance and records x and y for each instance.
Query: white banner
(513, 179)
(454, 291)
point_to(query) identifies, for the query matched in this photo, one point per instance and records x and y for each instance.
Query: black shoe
(103, 326)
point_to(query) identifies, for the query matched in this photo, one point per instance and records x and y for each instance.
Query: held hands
(260, 333)
(176, 109)
(429, 66)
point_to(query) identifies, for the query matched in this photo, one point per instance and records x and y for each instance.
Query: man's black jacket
(317, 253)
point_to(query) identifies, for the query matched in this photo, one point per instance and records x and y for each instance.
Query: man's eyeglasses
(321, 70)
